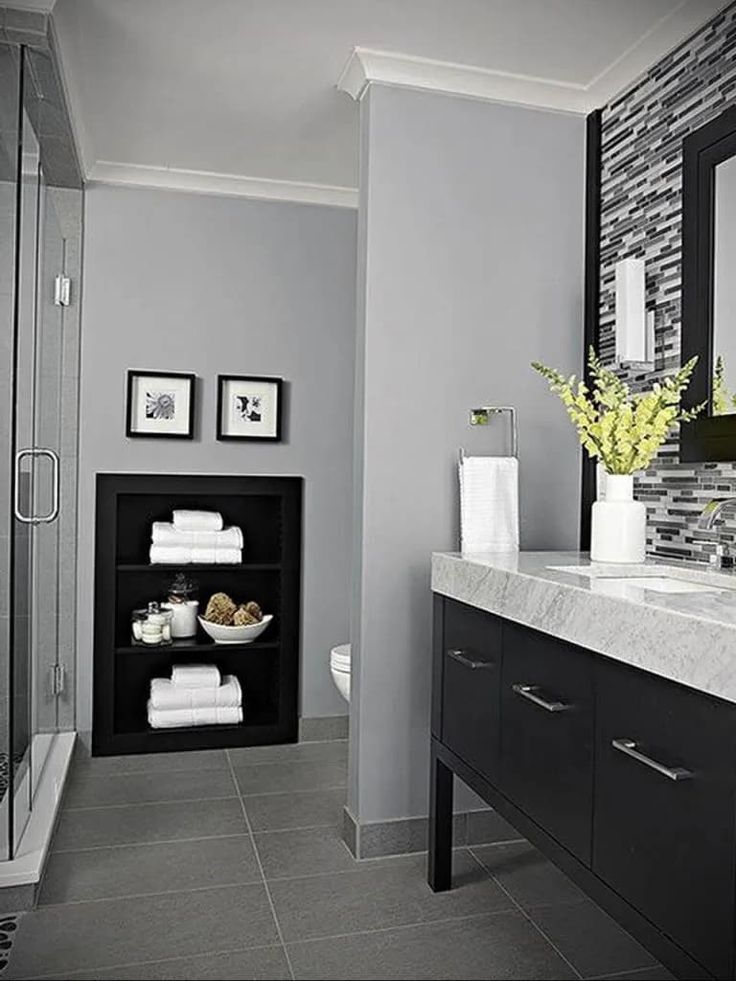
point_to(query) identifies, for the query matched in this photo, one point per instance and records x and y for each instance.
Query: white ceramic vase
(619, 528)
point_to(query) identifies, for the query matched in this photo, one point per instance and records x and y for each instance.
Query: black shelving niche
(269, 510)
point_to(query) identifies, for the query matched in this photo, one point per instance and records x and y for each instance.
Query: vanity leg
(439, 874)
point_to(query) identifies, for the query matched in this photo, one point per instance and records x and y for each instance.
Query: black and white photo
(160, 404)
(249, 407)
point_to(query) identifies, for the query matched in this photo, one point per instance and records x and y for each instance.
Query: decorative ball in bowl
(241, 634)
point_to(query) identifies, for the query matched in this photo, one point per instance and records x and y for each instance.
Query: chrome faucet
(713, 510)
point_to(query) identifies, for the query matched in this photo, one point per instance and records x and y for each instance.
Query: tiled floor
(229, 865)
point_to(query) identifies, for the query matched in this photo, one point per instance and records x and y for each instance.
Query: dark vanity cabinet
(625, 780)
(547, 734)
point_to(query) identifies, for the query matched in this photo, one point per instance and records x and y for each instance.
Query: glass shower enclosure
(41, 202)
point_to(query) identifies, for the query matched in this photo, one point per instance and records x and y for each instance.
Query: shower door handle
(37, 519)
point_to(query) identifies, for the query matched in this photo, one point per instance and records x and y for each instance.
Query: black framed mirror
(709, 287)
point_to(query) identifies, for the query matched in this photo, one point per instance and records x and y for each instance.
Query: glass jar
(183, 606)
(152, 626)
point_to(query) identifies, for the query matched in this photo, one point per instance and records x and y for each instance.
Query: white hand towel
(166, 533)
(186, 555)
(177, 718)
(489, 504)
(166, 695)
(196, 676)
(197, 520)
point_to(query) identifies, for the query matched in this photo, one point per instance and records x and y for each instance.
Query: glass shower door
(39, 344)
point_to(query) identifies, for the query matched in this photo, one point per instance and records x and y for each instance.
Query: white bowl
(235, 635)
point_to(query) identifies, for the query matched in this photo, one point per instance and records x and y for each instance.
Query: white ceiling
(247, 88)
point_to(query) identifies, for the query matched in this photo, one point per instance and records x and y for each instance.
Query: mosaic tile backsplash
(641, 189)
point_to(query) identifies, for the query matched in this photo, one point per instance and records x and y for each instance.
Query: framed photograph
(249, 407)
(160, 405)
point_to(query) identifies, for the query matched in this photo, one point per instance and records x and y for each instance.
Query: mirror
(723, 391)
(709, 287)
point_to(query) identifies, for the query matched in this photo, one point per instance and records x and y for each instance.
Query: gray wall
(219, 285)
(471, 236)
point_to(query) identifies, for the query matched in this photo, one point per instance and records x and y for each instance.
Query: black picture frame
(707, 438)
(133, 375)
(278, 384)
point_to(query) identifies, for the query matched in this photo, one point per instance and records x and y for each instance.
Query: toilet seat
(340, 669)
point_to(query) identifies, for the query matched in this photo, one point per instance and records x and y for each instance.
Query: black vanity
(624, 778)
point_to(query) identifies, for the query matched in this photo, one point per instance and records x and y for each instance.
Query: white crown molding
(366, 66)
(229, 185)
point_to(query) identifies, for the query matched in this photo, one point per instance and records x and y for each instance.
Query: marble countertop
(686, 637)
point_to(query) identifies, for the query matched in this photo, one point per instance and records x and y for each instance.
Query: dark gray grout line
(149, 895)
(263, 877)
(144, 803)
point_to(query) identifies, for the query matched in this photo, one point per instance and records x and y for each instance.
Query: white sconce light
(634, 324)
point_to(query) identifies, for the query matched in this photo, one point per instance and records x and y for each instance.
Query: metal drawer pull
(462, 658)
(628, 746)
(531, 693)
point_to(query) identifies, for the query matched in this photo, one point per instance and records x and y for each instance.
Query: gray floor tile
(136, 870)
(283, 777)
(206, 759)
(259, 964)
(503, 945)
(305, 809)
(148, 822)
(590, 939)
(527, 875)
(335, 751)
(393, 894)
(79, 936)
(86, 790)
(290, 853)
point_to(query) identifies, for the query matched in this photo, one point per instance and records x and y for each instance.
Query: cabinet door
(547, 734)
(471, 674)
(663, 834)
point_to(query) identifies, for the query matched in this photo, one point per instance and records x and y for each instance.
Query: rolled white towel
(197, 520)
(177, 718)
(166, 533)
(196, 676)
(166, 695)
(185, 555)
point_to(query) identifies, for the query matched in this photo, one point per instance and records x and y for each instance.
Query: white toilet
(340, 668)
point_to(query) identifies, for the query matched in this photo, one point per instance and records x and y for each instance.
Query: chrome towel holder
(482, 415)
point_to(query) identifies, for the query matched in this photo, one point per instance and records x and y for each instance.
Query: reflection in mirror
(724, 290)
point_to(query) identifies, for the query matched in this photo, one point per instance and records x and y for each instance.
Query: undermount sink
(659, 584)
(606, 580)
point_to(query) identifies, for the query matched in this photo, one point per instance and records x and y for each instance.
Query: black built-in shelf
(269, 510)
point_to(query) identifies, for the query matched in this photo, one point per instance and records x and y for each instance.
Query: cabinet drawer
(664, 808)
(471, 675)
(547, 734)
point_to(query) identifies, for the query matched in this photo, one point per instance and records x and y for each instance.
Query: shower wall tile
(641, 189)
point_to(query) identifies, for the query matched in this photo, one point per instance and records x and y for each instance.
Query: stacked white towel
(195, 695)
(489, 504)
(195, 537)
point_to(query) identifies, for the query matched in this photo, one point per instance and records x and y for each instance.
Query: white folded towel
(166, 533)
(186, 555)
(196, 676)
(166, 695)
(176, 718)
(197, 520)
(489, 504)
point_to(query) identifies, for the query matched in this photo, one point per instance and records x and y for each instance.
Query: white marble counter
(686, 637)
